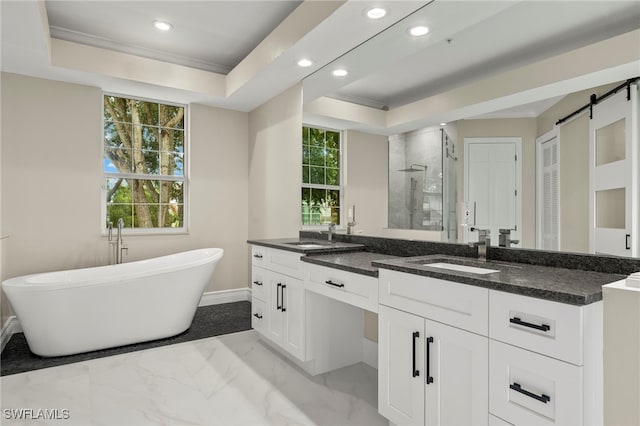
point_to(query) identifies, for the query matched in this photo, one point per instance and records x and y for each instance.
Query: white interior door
(548, 192)
(612, 173)
(492, 181)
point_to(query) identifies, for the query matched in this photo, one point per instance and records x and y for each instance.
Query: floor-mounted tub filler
(81, 310)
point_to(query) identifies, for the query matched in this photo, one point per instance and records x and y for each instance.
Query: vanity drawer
(259, 256)
(460, 305)
(259, 281)
(348, 287)
(258, 315)
(531, 389)
(550, 328)
(282, 261)
(497, 421)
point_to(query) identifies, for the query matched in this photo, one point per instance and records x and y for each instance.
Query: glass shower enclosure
(422, 182)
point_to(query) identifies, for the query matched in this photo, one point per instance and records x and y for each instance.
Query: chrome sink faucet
(484, 240)
(332, 230)
(353, 222)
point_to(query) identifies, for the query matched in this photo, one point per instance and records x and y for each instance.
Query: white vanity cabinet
(545, 361)
(432, 369)
(278, 299)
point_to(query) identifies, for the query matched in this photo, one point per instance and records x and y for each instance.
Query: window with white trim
(321, 176)
(144, 164)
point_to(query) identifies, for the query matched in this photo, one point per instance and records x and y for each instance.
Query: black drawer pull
(257, 315)
(334, 284)
(283, 308)
(516, 320)
(627, 244)
(278, 305)
(257, 256)
(429, 377)
(414, 371)
(257, 283)
(542, 398)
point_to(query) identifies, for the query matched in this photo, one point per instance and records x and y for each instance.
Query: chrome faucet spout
(484, 240)
(332, 230)
(120, 248)
(353, 222)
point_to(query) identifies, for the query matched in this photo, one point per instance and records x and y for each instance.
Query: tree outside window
(144, 163)
(321, 185)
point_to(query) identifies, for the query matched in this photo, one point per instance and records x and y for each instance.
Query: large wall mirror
(462, 72)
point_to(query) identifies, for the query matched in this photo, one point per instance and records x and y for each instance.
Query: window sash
(339, 188)
(183, 179)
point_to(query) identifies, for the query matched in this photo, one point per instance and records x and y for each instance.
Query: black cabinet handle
(257, 315)
(415, 372)
(542, 398)
(283, 308)
(627, 241)
(429, 378)
(516, 320)
(257, 283)
(278, 305)
(334, 284)
(257, 256)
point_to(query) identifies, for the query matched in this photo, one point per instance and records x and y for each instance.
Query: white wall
(51, 180)
(275, 166)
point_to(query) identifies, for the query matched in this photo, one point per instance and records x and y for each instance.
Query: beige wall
(51, 180)
(524, 128)
(275, 166)
(366, 181)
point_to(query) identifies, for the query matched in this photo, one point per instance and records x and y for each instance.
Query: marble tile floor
(233, 379)
(208, 321)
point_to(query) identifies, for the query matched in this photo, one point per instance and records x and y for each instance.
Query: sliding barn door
(613, 175)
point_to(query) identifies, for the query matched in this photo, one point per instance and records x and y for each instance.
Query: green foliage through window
(143, 163)
(320, 176)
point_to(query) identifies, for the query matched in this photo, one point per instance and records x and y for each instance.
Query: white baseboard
(11, 326)
(225, 296)
(370, 353)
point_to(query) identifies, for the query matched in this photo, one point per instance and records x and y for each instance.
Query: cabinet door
(293, 310)
(456, 376)
(401, 374)
(274, 306)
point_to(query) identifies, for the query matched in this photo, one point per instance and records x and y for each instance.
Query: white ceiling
(214, 36)
(472, 40)
(225, 39)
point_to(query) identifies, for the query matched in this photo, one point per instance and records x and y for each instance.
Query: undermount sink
(307, 244)
(461, 268)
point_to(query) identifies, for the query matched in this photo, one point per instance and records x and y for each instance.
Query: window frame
(340, 188)
(184, 229)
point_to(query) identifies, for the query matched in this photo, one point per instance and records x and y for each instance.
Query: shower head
(414, 168)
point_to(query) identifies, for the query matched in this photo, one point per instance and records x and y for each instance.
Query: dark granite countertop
(572, 286)
(357, 262)
(321, 246)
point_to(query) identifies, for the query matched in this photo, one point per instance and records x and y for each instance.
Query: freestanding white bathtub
(68, 312)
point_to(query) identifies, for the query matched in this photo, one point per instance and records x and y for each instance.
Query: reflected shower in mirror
(422, 182)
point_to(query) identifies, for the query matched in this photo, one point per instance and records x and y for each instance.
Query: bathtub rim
(127, 272)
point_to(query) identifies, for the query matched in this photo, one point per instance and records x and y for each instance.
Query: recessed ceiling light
(376, 13)
(305, 63)
(340, 72)
(162, 25)
(418, 31)
(443, 124)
